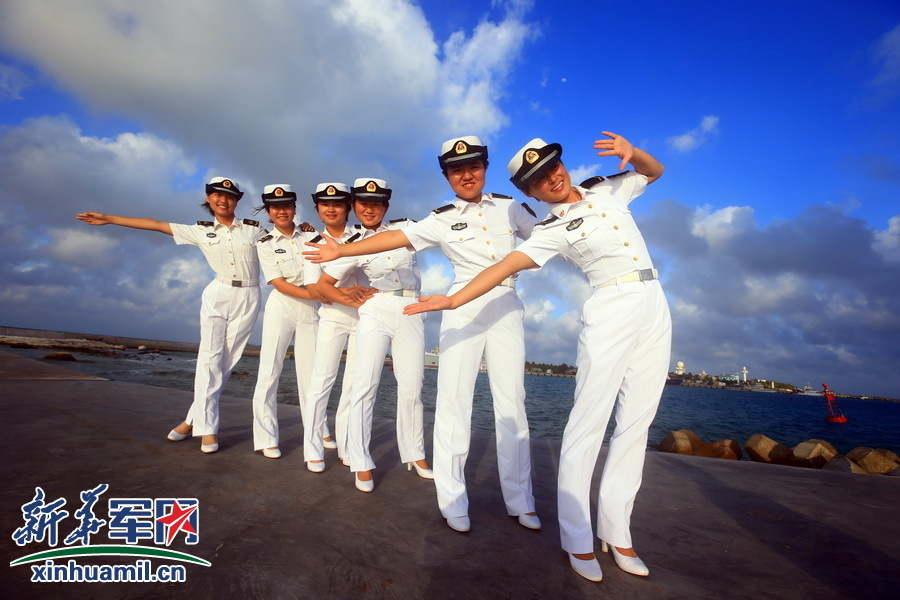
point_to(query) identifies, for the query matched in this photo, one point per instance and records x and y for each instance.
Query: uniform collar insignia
(459, 226)
(574, 224)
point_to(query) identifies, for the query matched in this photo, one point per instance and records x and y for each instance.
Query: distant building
(744, 373)
(679, 367)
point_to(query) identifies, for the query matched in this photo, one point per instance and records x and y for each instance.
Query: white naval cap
(461, 150)
(225, 185)
(369, 188)
(531, 161)
(331, 190)
(276, 193)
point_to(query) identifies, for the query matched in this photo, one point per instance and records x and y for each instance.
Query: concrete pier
(271, 529)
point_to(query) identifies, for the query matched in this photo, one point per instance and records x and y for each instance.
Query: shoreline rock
(762, 448)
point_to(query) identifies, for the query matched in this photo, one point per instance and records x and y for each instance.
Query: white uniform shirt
(473, 235)
(598, 233)
(282, 256)
(230, 251)
(386, 271)
(335, 311)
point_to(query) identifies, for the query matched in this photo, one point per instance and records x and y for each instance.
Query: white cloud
(80, 246)
(12, 82)
(436, 279)
(582, 172)
(696, 137)
(720, 226)
(887, 242)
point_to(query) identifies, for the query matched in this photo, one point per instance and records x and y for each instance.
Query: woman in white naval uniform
(624, 344)
(382, 326)
(474, 231)
(291, 313)
(229, 303)
(337, 330)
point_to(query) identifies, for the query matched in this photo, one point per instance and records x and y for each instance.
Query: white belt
(404, 293)
(237, 282)
(641, 275)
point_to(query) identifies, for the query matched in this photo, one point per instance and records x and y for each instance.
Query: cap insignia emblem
(227, 183)
(371, 186)
(330, 191)
(461, 147)
(279, 192)
(531, 156)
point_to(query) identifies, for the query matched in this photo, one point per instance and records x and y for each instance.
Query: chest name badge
(574, 224)
(459, 226)
(210, 235)
(280, 251)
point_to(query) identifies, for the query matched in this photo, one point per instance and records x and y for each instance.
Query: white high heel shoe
(629, 564)
(272, 452)
(209, 448)
(330, 444)
(460, 524)
(530, 522)
(174, 436)
(364, 486)
(589, 569)
(423, 473)
(315, 466)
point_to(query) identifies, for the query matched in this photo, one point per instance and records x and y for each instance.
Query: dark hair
(265, 207)
(208, 208)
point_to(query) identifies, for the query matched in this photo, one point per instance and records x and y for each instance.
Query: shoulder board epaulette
(251, 222)
(443, 208)
(549, 220)
(357, 226)
(353, 237)
(529, 209)
(618, 174)
(205, 223)
(265, 231)
(265, 238)
(400, 220)
(504, 196)
(591, 182)
(316, 239)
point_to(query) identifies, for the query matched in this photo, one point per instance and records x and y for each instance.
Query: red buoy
(833, 414)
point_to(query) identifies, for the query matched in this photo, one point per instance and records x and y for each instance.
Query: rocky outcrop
(813, 454)
(874, 460)
(762, 448)
(60, 356)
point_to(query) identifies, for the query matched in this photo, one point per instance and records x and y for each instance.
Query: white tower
(679, 367)
(744, 372)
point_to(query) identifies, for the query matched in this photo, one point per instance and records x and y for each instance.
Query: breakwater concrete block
(685, 441)
(762, 448)
(843, 464)
(813, 454)
(874, 460)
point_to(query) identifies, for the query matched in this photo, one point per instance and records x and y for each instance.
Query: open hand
(428, 304)
(359, 294)
(93, 218)
(326, 252)
(615, 146)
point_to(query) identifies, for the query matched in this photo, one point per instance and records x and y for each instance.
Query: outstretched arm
(481, 285)
(642, 161)
(380, 242)
(98, 218)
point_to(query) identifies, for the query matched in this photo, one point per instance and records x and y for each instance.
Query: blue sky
(776, 226)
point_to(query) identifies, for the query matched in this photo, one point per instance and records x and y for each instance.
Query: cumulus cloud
(308, 91)
(696, 137)
(887, 58)
(887, 242)
(80, 247)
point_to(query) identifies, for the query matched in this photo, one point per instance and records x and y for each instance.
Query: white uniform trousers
(286, 319)
(227, 315)
(493, 325)
(383, 325)
(623, 359)
(332, 337)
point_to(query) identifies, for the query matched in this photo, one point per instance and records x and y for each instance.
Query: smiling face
(332, 212)
(553, 187)
(282, 214)
(467, 180)
(222, 204)
(370, 212)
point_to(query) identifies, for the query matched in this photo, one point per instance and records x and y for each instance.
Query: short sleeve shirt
(282, 256)
(473, 235)
(386, 271)
(597, 233)
(230, 251)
